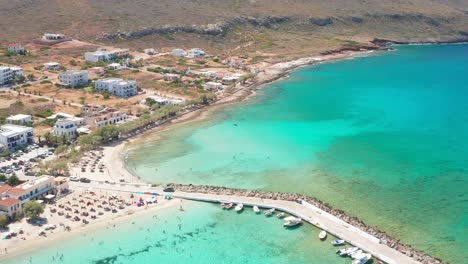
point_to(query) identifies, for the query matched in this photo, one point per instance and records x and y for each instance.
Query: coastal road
(307, 212)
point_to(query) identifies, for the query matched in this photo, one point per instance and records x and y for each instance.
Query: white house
(52, 66)
(118, 87)
(165, 101)
(115, 66)
(103, 54)
(15, 48)
(8, 73)
(73, 78)
(19, 119)
(195, 53)
(31, 190)
(230, 79)
(13, 136)
(178, 52)
(50, 36)
(67, 127)
(213, 86)
(150, 51)
(96, 118)
(170, 77)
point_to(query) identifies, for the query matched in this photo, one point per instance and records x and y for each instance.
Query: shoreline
(113, 154)
(23, 247)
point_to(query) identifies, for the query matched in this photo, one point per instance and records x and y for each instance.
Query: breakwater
(385, 238)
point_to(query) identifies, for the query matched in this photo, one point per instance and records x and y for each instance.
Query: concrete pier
(308, 212)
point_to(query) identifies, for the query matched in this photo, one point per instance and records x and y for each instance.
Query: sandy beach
(29, 239)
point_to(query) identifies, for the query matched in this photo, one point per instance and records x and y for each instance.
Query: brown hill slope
(213, 24)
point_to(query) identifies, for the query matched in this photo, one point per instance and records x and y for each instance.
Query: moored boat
(322, 235)
(346, 251)
(280, 215)
(239, 207)
(292, 221)
(356, 254)
(338, 242)
(269, 212)
(256, 209)
(362, 258)
(228, 206)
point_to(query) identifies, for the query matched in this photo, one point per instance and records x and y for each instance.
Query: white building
(13, 136)
(67, 127)
(19, 119)
(118, 87)
(102, 54)
(230, 79)
(52, 66)
(178, 52)
(195, 53)
(96, 118)
(8, 73)
(115, 66)
(32, 189)
(50, 36)
(150, 51)
(164, 101)
(73, 78)
(15, 48)
(213, 86)
(171, 77)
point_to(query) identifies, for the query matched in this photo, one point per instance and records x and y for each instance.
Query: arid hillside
(266, 25)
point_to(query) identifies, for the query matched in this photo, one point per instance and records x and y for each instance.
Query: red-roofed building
(10, 206)
(15, 47)
(4, 188)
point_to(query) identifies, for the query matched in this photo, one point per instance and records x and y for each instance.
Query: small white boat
(292, 221)
(269, 212)
(256, 209)
(362, 258)
(338, 242)
(346, 251)
(280, 215)
(356, 254)
(239, 207)
(322, 235)
(228, 206)
(223, 205)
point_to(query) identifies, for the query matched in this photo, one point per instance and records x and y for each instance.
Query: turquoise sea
(383, 137)
(203, 233)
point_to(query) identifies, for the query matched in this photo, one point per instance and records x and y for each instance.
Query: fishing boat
(346, 251)
(292, 221)
(362, 258)
(322, 235)
(356, 254)
(269, 212)
(338, 242)
(239, 207)
(228, 206)
(256, 209)
(280, 215)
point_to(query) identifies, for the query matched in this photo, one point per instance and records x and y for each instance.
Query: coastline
(114, 154)
(22, 247)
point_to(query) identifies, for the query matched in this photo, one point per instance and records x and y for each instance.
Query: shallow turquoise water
(383, 137)
(207, 234)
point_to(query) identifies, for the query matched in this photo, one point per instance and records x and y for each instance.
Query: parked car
(30, 173)
(74, 178)
(85, 180)
(168, 189)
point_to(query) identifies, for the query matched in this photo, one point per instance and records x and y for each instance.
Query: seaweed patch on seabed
(181, 238)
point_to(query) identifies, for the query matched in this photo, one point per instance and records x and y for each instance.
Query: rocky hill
(267, 25)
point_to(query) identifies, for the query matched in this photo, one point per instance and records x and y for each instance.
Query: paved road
(307, 212)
